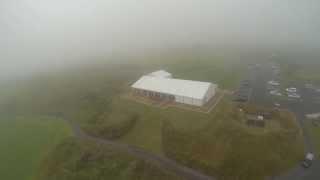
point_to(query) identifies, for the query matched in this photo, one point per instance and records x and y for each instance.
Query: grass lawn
(315, 136)
(219, 140)
(25, 141)
(229, 149)
(299, 73)
(224, 72)
(147, 131)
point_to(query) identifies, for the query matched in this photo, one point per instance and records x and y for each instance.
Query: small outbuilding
(255, 121)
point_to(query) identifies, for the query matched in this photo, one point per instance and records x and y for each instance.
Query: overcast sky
(37, 34)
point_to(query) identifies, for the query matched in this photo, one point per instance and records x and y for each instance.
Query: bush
(118, 127)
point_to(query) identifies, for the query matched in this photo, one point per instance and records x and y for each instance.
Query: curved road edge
(159, 161)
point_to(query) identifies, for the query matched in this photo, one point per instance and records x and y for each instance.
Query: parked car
(294, 95)
(275, 93)
(273, 83)
(291, 90)
(307, 162)
(277, 104)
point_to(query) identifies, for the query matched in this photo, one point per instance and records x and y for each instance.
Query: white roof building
(161, 73)
(184, 91)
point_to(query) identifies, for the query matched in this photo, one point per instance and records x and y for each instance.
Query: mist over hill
(38, 35)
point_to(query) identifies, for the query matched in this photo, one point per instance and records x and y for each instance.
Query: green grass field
(315, 136)
(220, 139)
(25, 141)
(229, 149)
(147, 133)
(91, 95)
(298, 73)
(226, 73)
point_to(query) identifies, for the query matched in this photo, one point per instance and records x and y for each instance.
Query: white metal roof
(186, 88)
(160, 73)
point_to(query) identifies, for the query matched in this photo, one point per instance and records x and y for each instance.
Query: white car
(274, 83)
(291, 90)
(307, 162)
(275, 93)
(294, 95)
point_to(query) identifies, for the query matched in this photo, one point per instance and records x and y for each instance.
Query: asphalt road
(305, 105)
(159, 161)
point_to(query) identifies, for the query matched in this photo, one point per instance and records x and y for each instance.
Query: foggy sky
(40, 34)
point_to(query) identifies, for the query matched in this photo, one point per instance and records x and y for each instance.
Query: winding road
(159, 161)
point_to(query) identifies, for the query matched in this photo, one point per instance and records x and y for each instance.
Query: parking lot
(305, 104)
(244, 91)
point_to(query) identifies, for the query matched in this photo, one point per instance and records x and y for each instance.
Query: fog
(41, 34)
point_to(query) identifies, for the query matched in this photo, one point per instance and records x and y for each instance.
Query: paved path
(159, 161)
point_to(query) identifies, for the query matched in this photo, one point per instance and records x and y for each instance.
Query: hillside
(91, 96)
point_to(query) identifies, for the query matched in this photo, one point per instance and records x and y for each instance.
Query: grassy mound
(111, 126)
(227, 148)
(147, 132)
